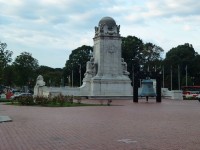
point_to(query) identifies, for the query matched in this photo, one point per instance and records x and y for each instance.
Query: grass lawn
(4, 100)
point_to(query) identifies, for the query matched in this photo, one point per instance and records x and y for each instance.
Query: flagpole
(69, 81)
(179, 77)
(72, 78)
(186, 75)
(163, 77)
(80, 73)
(171, 78)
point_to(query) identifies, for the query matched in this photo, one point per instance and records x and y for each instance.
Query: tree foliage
(183, 57)
(136, 53)
(182, 54)
(9, 75)
(132, 48)
(25, 67)
(76, 63)
(52, 76)
(5, 55)
(5, 58)
(152, 52)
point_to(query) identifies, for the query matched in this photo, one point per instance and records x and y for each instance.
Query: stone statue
(124, 67)
(39, 84)
(40, 81)
(118, 29)
(90, 68)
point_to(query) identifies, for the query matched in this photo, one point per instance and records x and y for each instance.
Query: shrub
(54, 100)
(61, 100)
(40, 100)
(26, 100)
(71, 99)
(78, 98)
(190, 98)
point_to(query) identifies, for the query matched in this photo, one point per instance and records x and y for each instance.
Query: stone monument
(106, 72)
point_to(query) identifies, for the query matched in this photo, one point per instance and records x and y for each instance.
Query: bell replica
(147, 89)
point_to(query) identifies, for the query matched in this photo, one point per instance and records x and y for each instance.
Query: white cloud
(187, 27)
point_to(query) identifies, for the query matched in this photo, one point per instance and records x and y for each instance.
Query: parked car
(19, 95)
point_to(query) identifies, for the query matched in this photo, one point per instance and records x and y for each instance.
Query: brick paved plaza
(170, 125)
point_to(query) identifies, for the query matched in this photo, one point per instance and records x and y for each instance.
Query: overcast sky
(51, 29)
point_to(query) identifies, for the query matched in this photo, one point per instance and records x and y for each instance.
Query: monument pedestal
(111, 87)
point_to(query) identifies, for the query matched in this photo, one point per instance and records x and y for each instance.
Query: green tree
(9, 75)
(152, 52)
(5, 58)
(136, 53)
(76, 63)
(182, 56)
(152, 56)
(132, 50)
(195, 70)
(52, 76)
(25, 67)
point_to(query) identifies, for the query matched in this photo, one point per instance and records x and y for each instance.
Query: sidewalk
(170, 125)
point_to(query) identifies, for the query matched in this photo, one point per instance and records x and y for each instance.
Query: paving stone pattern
(170, 125)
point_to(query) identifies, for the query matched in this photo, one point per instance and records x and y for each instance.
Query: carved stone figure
(118, 28)
(107, 27)
(40, 81)
(90, 68)
(124, 67)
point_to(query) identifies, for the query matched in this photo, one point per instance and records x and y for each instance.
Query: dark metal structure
(140, 74)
